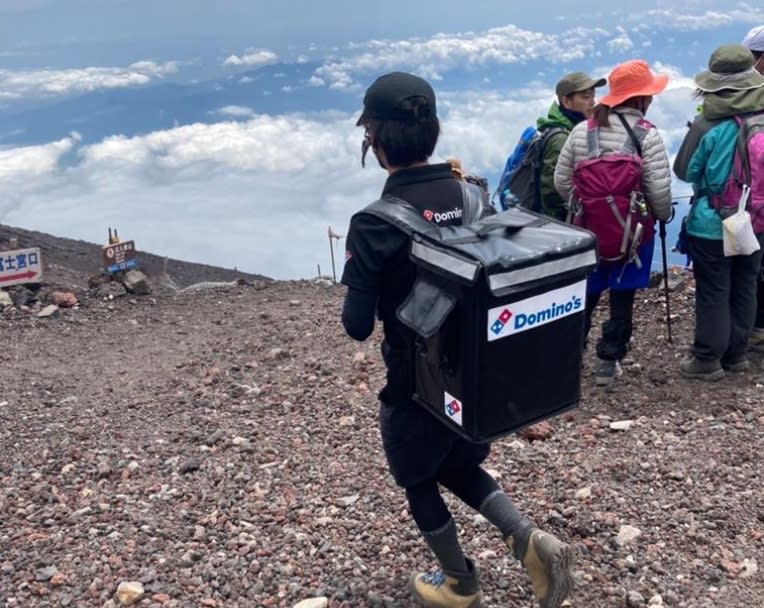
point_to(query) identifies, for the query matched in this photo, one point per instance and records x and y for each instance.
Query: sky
(224, 132)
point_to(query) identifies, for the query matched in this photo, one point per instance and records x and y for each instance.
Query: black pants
(472, 486)
(617, 330)
(725, 299)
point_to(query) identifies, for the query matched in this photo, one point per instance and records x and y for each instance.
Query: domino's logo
(452, 408)
(536, 311)
(503, 319)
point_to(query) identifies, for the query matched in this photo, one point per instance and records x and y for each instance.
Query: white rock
(749, 568)
(5, 299)
(130, 592)
(584, 493)
(347, 421)
(349, 500)
(314, 602)
(656, 600)
(627, 534)
(621, 425)
(48, 311)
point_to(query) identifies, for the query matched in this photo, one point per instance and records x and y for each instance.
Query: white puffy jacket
(657, 173)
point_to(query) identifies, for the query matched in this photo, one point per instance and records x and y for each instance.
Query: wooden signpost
(118, 255)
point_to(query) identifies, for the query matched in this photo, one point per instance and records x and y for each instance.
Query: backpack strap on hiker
(402, 215)
(742, 149)
(592, 138)
(636, 134)
(405, 217)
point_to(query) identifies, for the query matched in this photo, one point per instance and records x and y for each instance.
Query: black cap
(384, 97)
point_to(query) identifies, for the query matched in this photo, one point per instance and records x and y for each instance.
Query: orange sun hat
(632, 79)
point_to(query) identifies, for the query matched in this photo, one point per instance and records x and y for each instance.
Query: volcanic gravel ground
(221, 447)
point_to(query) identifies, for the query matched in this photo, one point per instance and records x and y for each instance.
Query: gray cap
(577, 82)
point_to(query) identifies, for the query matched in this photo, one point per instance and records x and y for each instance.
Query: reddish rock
(537, 432)
(64, 299)
(57, 579)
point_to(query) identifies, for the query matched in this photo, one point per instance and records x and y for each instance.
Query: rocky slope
(69, 262)
(218, 447)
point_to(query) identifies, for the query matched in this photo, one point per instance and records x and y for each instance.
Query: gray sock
(502, 513)
(444, 543)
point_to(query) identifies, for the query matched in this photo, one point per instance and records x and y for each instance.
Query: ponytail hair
(601, 115)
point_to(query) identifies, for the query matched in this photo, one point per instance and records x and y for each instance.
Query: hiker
(575, 102)
(528, 176)
(401, 129)
(754, 42)
(725, 287)
(618, 126)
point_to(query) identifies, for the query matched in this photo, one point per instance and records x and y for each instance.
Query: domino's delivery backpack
(498, 311)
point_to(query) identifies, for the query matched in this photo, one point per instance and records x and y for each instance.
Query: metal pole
(331, 252)
(665, 279)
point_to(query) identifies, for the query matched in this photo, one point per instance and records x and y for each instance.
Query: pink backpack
(607, 196)
(747, 169)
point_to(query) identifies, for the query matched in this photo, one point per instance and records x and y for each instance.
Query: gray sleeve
(657, 175)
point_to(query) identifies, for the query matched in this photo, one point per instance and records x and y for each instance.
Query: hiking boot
(756, 339)
(606, 372)
(441, 589)
(548, 562)
(698, 369)
(735, 364)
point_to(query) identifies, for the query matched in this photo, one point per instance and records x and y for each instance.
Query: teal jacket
(708, 169)
(706, 154)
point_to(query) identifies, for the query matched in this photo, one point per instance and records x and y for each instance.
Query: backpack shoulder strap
(549, 133)
(592, 138)
(636, 134)
(402, 215)
(405, 217)
(546, 135)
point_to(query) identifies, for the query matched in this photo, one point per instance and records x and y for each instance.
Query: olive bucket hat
(730, 67)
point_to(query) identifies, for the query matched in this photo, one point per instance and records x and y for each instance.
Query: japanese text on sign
(20, 266)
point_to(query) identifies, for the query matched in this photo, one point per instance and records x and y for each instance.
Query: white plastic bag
(737, 231)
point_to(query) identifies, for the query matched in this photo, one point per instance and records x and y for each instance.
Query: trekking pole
(662, 225)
